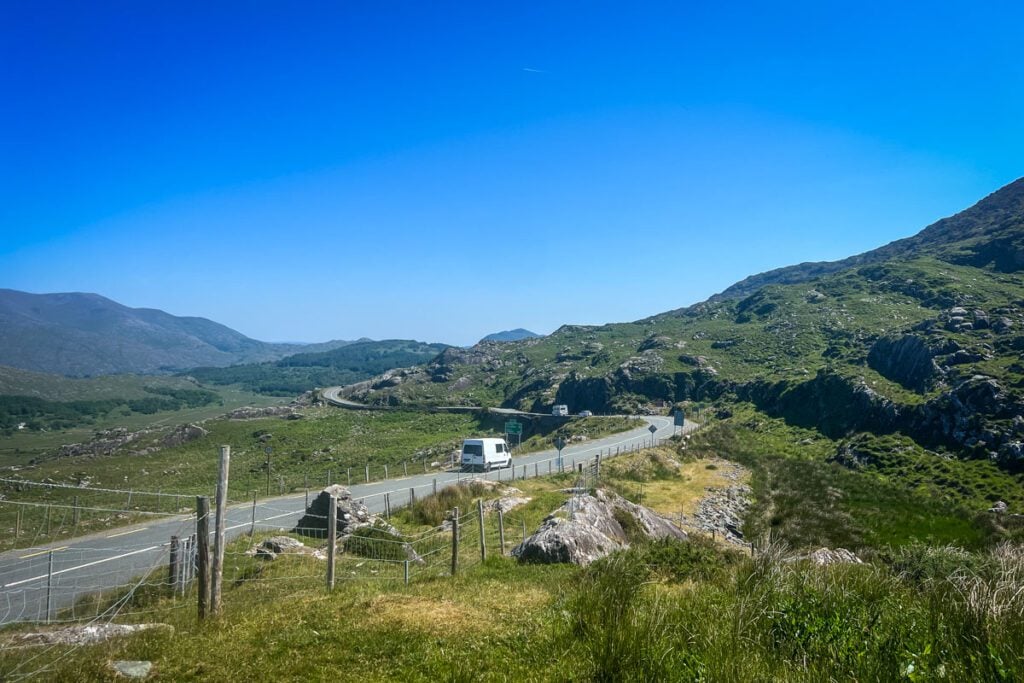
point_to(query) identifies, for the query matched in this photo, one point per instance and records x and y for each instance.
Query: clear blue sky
(307, 171)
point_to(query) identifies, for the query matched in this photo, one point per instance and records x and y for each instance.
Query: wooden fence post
(49, 583)
(78, 512)
(501, 529)
(203, 552)
(387, 506)
(455, 541)
(172, 569)
(217, 566)
(252, 524)
(332, 539)
(480, 517)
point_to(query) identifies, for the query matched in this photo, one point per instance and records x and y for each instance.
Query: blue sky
(307, 171)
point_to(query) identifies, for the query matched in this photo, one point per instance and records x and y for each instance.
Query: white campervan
(485, 454)
(561, 410)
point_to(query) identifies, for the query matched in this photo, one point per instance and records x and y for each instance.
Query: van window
(473, 449)
(500, 448)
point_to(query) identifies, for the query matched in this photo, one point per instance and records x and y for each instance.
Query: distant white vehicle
(586, 413)
(485, 454)
(560, 410)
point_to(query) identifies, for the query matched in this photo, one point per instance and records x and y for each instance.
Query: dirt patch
(426, 614)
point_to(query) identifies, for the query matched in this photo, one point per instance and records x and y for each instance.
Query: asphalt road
(104, 561)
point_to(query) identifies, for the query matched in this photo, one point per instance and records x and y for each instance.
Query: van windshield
(472, 449)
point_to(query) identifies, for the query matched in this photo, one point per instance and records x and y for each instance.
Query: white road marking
(43, 552)
(83, 566)
(125, 533)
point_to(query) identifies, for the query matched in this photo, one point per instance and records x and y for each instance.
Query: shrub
(376, 542)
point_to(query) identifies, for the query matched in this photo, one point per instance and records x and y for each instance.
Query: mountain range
(80, 334)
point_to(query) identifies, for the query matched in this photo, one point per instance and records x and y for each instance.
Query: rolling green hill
(922, 337)
(304, 371)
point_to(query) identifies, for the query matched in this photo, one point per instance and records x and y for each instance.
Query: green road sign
(513, 427)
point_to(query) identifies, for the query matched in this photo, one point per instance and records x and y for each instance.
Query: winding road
(89, 564)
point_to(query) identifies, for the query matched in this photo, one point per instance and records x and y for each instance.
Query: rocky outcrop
(907, 360)
(250, 413)
(589, 527)
(722, 508)
(351, 514)
(183, 434)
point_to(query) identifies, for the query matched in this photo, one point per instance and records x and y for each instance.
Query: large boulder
(589, 527)
(281, 545)
(183, 434)
(351, 513)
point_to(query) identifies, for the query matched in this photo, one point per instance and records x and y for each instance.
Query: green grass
(918, 610)
(904, 494)
(666, 611)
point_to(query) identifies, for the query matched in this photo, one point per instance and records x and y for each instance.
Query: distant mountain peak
(510, 335)
(75, 333)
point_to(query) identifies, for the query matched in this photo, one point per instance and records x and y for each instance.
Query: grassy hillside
(696, 610)
(304, 371)
(919, 346)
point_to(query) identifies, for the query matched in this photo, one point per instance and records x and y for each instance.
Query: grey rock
(351, 514)
(281, 545)
(183, 434)
(85, 635)
(132, 669)
(999, 507)
(1002, 325)
(586, 528)
(908, 360)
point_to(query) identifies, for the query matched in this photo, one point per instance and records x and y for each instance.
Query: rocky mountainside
(990, 233)
(923, 337)
(86, 334)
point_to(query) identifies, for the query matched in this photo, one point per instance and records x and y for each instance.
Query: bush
(695, 559)
(376, 542)
(433, 509)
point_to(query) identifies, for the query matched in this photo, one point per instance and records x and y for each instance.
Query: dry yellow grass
(428, 615)
(669, 495)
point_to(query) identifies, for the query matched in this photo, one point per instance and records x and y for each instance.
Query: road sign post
(514, 427)
(559, 444)
(268, 450)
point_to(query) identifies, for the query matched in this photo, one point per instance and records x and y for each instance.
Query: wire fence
(118, 578)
